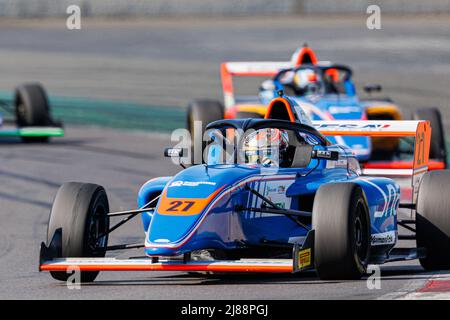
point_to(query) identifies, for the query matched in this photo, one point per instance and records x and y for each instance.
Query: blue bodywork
(219, 190)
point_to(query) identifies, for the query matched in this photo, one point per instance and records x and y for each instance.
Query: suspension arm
(294, 215)
(130, 215)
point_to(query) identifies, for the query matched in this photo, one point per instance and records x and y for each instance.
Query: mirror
(325, 154)
(369, 88)
(173, 152)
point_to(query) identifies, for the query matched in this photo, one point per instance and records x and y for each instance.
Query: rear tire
(342, 231)
(437, 144)
(79, 210)
(205, 111)
(433, 220)
(245, 115)
(32, 109)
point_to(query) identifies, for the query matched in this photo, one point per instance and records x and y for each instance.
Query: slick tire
(245, 115)
(80, 211)
(433, 220)
(32, 109)
(342, 231)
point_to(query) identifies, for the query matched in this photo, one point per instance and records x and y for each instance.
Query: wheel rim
(97, 228)
(360, 234)
(21, 112)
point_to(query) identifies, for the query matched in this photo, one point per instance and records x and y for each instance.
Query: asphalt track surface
(168, 63)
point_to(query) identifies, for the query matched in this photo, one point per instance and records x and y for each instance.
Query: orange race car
(326, 92)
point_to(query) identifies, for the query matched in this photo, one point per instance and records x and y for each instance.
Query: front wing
(146, 264)
(303, 260)
(32, 132)
(49, 261)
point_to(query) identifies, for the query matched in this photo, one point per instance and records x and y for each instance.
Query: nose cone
(184, 205)
(180, 209)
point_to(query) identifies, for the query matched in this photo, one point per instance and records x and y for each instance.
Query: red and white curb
(434, 287)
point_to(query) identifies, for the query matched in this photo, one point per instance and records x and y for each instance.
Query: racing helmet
(305, 81)
(266, 146)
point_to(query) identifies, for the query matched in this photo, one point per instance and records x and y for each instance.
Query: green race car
(31, 117)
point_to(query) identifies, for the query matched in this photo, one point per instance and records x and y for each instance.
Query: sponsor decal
(389, 237)
(161, 240)
(350, 126)
(391, 200)
(304, 258)
(276, 192)
(275, 189)
(180, 183)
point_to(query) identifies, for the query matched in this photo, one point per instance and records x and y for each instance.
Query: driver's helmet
(266, 146)
(305, 81)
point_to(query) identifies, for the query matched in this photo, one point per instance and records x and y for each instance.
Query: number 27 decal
(183, 206)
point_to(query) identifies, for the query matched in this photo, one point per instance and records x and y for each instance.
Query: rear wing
(246, 69)
(228, 70)
(420, 130)
(303, 55)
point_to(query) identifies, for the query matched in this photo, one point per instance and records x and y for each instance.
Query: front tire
(342, 231)
(205, 111)
(433, 220)
(32, 109)
(80, 211)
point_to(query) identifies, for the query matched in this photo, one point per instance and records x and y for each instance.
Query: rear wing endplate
(420, 130)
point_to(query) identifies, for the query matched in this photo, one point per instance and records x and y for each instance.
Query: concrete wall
(52, 8)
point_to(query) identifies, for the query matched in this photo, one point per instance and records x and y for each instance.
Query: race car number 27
(180, 206)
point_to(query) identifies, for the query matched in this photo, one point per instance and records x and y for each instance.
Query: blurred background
(131, 54)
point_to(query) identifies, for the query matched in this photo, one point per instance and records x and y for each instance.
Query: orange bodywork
(432, 165)
(259, 109)
(384, 112)
(141, 265)
(306, 55)
(184, 206)
(280, 102)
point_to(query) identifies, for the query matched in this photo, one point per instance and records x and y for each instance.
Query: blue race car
(30, 112)
(273, 196)
(325, 91)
